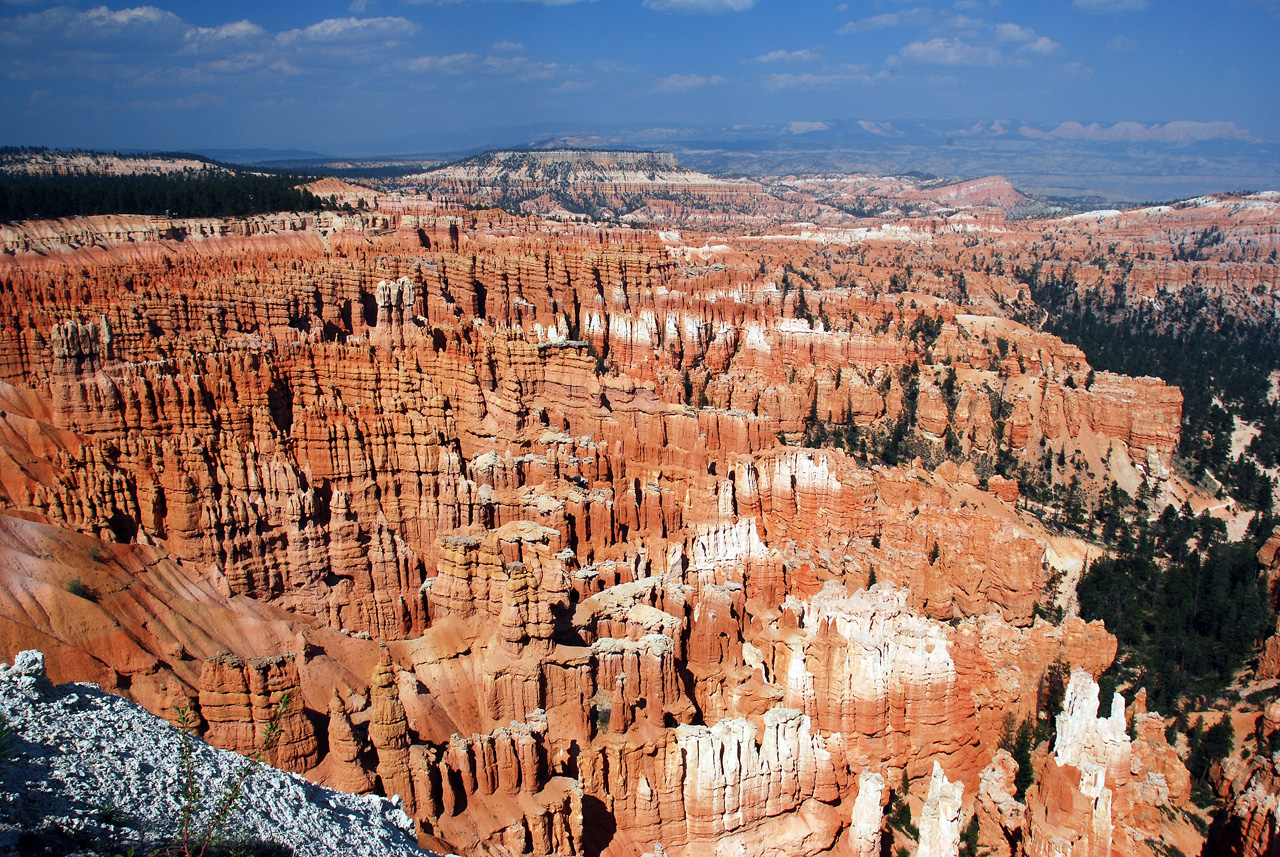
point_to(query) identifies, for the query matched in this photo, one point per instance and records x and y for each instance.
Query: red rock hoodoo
(531, 522)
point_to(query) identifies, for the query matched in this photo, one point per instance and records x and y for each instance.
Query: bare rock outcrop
(542, 512)
(866, 828)
(240, 699)
(940, 818)
(1099, 791)
(1251, 789)
(1001, 816)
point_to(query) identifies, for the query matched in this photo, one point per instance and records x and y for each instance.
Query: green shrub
(79, 589)
(200, 828)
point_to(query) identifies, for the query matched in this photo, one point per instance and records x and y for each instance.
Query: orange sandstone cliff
(530, 523)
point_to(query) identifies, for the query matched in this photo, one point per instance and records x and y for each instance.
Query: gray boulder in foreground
(87, 772)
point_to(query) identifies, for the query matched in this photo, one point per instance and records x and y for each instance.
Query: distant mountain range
(1122, 162)
(260, 157)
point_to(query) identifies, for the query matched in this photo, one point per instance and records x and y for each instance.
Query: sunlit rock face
(940, 818)
(1099, 791)
(519, 516)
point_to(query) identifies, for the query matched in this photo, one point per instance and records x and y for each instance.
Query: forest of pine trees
(206, 193)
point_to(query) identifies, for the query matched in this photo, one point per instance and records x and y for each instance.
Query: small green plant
(79, 589)
(1019, 740)
(602, 713)
(969, 838)
(7, 739)
(899, 814)
(109, 812)
(199, 830)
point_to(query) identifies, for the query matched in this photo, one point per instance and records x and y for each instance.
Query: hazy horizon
(1177, 85)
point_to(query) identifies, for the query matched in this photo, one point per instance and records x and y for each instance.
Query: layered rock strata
(1100, 792)
(527, 505)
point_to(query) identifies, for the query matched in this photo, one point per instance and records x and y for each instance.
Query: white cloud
(507, 66)
(145, 15)
(964, 22)
(1043, 46)
(148, 48)
(699, 5)
(350, 29)
(1014, 33)
(198, 101)
(686, 82)
(810, 81)
(916, 17)
(455, 2)
(943, 51)
(98, 23)
(520, 68)
(225, 32)
(1121, 44)
(781, 56)
(451, 64)
(1101, 6)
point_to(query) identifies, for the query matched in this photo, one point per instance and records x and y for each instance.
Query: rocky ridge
(87, 772)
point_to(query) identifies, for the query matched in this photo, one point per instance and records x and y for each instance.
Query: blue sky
(364, 76)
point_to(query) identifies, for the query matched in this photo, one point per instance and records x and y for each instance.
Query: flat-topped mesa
(517, 176)
(618, 158)
(111, 238)
(56, 162)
